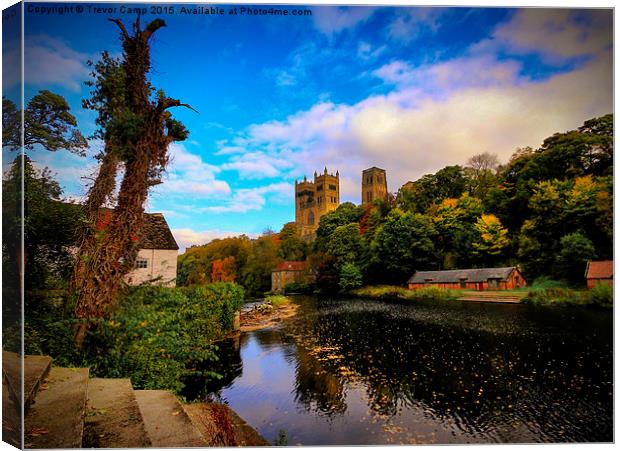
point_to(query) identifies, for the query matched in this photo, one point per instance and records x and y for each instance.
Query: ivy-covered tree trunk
(137, 130)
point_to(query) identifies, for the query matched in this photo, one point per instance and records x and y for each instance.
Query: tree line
(547, 210)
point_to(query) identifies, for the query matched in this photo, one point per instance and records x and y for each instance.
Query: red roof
(291, 266)
(600, 270)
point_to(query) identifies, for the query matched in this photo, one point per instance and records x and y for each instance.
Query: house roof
(155, 233)
(603, 269)
(291, 266)
(456, 275)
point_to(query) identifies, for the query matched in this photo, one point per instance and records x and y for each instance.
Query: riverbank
(268, 313)
(392, 292)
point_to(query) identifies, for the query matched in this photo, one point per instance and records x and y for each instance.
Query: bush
(160, 335)
(277, 299)
(395, 292)
(602, 295)
(350, 277)
(156, 336)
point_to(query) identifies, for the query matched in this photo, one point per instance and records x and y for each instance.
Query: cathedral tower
(374, 185)
(315, 198)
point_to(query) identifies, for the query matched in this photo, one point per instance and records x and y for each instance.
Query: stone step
(167, 424)
(56, 418)
(113, 418)
(202, 415)
(36, 368)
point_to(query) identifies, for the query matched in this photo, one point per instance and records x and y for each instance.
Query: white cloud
(330, 20)
(557, 33)
(365, 51)
(187, 237)
(438, 115)
(48, 61)
(250, 199)
(411, 22)
(187, 173)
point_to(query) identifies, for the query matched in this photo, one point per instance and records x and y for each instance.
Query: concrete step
(167, 424)
(113, 418)
(202, 415)
(36, 368)
(56, 418)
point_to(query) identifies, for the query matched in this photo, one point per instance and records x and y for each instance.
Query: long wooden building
(479, 279)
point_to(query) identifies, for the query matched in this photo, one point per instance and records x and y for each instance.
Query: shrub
(277, 299)
(395, 292)
(602, 295)
(556, 296)
(159, 335)
(350, 277)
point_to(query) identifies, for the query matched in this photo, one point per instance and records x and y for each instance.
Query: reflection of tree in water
(549, 386)
(229, 366)
(317, 387)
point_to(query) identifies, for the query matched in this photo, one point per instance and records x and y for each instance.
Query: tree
(350, 277)
(575, 251)
(492, 239)
(345, 244)
(137, 129)
(404, 244)
(263, 259)
(223, 270)
(50, 226)
(419, 196)
(292, 247)
(482, 169)
(47, 122)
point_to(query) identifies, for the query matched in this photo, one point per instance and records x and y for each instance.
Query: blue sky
(410, 90)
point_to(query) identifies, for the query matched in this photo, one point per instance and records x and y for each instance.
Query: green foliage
(50, 226)
(602, 295)
(571, 261)
(47, 122)
(157, 336)
(292, 247)
(404, 244)
(262, 259)
(350, 277)
(345, 244)
(277, 299)
(387, 292)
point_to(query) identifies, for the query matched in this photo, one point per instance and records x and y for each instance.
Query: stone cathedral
(315, 198)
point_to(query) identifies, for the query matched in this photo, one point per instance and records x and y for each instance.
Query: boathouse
(287, 273)
(599, 272)
(479, 279)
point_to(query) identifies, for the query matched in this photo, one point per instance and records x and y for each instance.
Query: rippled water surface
(363, 372)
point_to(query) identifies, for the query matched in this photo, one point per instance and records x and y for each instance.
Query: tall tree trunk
(109, 251)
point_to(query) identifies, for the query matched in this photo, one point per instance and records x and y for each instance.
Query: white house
(157, 258)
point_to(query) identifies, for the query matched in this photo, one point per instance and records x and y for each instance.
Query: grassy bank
(156, 336)
(600, 296)
(543, 293)
(395, 292)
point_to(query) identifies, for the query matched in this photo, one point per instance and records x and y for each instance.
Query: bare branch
(121, 26)
(169, 103)
(152, 28)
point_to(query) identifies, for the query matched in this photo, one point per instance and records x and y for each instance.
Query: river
(354, 372)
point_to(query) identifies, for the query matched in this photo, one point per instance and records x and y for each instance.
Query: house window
(333, 187)
(463, 283)
(142, 263)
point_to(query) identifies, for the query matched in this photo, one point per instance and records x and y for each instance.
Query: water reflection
(358, 372)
